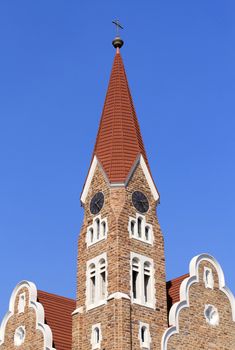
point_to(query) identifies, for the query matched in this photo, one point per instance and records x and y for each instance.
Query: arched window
(139, 227)
(144, 336)
(96, 336)
(96, 283)
(103, 225)
(21, 303)
(147, 230)
(91, 233)
(135, 277)
(97, 222)
(142, 280)
(92, 274)
(147, 284)
(102, 268)
(132, 227)
(97, 231)
(208, 278)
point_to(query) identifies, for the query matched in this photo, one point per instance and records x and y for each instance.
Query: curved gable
(204, 317)
(24, 322)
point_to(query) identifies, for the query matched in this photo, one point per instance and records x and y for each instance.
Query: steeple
(119, 146)
(119, 141)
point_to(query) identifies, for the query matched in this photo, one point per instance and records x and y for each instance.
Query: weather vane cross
(118, 26)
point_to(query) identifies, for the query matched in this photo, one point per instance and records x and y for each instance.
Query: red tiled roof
(173, 290)
(119, 140)
(58, 316)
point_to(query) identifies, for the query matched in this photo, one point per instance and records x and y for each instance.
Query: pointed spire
(119, 141)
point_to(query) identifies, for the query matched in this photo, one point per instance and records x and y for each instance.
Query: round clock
(97, 203)
(140, 201)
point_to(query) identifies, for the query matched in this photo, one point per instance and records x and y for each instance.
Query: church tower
(121, 288)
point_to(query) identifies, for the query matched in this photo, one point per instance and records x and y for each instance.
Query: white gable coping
(140, 160)
(39, 311)
(184, 294)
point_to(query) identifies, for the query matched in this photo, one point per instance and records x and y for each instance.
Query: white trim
(140, 160)
(184, 294)
(89, 179)
(141, 298)
(149, 179)
(146, 344)
(118, 295)
(97, 301)
(144, 224)
(39, 311)
(79, 310)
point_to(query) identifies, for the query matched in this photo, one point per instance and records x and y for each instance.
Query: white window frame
(98, 299)
(208, 284)
(144, 225)
(140, 299)
(22, 302)
(19, 336)
(215, 321)
(146, 344)
(97, 236)
(96, 345)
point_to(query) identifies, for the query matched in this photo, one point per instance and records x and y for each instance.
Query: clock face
(140, 201)
(97, 203)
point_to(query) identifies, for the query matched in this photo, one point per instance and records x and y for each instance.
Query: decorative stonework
(211, 312)
(23, 305)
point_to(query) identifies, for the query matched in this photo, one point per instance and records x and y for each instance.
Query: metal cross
(118, 26)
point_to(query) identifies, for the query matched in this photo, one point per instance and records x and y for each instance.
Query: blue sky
(55, 64)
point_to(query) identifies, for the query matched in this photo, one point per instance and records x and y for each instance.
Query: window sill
(141, 240)
(95, 305)
(138, 302)
(93, 243)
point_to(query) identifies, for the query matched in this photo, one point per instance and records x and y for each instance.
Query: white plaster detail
(118, 295)
(96, 336)
(143, 267)
(97, 231)
(184, 294)
(211, 315)
(208, 278)
(96, 281)
(139, 229)
(19, 336)
(39, 311)
(144, 335)
(89, 179)
(140, 160)
(79, 310)
(21, 303)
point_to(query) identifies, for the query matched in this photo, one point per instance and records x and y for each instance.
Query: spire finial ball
(117, 42)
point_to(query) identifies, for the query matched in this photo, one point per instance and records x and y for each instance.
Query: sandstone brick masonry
(120, 318)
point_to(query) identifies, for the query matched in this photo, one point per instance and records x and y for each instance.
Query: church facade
(123, 300)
